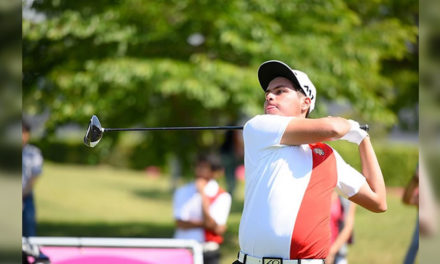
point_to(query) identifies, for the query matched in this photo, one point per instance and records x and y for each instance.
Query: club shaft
(364, 127)
(175, 128)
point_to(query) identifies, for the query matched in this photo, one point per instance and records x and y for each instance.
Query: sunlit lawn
(10, 220)
(103, 201)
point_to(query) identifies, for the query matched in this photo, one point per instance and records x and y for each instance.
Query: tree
(131, 62)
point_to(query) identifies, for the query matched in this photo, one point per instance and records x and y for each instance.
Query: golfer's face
(203, 170)
(282, 98)
(24, 137)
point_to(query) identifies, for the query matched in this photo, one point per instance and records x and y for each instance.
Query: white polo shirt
(288, 192)
(187, 206)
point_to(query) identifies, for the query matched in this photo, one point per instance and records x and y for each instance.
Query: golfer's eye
(279, 91)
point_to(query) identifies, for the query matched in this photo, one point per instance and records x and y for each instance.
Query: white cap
(269, 70)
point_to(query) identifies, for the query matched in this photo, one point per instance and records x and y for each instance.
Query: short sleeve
(37, 163)
(264, 131)
(178, 202)
(349, 179)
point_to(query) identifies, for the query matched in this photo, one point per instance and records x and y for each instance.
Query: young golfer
(290, 175)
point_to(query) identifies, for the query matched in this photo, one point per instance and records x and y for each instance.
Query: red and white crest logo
(319, 151)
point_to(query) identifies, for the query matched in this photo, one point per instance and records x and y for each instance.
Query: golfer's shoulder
(251, 122)
(224, 193)
(187, 189)
(33, 154)
(31, 149)
(264, 122)
(224, 197)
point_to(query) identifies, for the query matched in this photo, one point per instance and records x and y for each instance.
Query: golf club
(95, 131)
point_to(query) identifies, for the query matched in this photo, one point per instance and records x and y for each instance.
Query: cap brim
(272, 69)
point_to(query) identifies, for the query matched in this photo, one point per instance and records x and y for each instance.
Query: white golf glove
(355, 134)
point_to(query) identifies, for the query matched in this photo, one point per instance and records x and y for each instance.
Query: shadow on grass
(102, 229)
(236, 206)
(10, 255)
(154, 194)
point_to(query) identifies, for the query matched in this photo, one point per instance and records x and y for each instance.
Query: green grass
(10, 220)
(107, 202)
(383, 238)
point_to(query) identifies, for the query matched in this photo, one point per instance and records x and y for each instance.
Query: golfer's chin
(271, 111)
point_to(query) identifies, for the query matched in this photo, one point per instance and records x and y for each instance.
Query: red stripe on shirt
(311, 232)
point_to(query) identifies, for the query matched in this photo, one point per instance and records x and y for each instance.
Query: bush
(397, 161)
(68, 152)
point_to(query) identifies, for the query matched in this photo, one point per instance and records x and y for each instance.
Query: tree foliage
(130, 62)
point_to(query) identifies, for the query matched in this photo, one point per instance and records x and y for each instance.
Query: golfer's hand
(220, 229)
(355, 134)
(210, 224)
(330, 259)
(200, 184)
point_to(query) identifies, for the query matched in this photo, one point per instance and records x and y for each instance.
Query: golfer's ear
(305, 103)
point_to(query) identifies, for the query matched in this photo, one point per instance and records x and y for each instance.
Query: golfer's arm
(306, 130)
(208, 221)
(188, 224)
(408, 195)
(28, 187)
(372, 195)
(220, 230)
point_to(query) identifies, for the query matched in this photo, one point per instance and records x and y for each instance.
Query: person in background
(32, 164)
(201, 208)
(232, 156)
(342, 214)
(411, 197)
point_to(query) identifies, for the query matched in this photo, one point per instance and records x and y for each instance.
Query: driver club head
(94, 132)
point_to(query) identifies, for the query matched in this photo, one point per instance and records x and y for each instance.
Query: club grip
(365, 127)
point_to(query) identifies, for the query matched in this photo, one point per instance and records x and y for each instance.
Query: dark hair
(25, 126)
(213, 160)
(296, 87)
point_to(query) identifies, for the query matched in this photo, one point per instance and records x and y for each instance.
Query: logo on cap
(309, 92)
